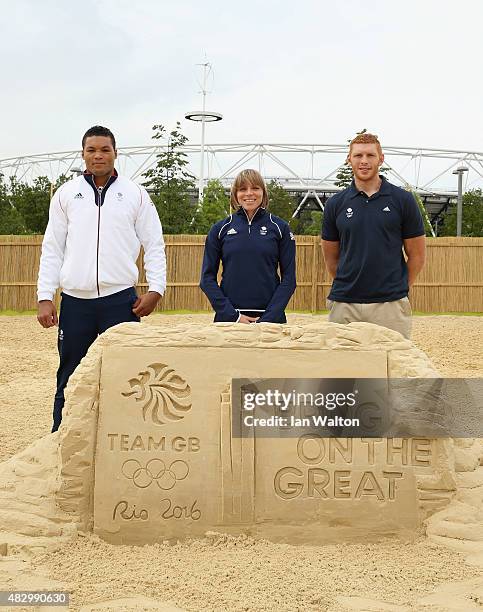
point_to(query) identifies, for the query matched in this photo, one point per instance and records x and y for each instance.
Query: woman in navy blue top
(252, 244)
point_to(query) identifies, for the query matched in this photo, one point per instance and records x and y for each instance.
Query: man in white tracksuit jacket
(97, 224)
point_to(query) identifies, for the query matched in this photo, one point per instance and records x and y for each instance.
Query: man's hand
(244, 319)
(47, 314)
(145, 304)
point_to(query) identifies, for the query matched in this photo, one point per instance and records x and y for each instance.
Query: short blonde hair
(253, 177)
(365, 138)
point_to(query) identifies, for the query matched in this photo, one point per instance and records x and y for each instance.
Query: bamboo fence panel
(452, 279)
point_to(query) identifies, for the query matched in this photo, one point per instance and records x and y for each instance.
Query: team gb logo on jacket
(349, 213)
(263, 230)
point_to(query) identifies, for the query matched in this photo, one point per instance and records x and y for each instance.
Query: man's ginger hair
(365, 138)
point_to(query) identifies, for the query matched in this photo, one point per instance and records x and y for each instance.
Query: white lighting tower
(203, 116)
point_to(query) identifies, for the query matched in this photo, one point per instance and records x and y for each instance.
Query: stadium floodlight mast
(203, 116)
(460, 170)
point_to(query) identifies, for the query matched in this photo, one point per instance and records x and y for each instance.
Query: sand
(220, 572)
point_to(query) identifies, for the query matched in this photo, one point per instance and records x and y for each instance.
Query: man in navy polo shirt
(365, 229)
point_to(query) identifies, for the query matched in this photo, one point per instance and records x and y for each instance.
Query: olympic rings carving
(155, 471)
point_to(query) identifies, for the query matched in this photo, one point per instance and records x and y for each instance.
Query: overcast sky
(284, 71)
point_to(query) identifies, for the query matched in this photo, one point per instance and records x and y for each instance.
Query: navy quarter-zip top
(251, 252)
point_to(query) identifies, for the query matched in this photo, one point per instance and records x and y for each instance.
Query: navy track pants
(80, 322)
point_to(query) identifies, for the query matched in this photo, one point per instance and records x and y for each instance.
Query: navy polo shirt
(371, 231)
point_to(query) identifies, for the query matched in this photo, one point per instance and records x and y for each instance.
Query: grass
(18, 313)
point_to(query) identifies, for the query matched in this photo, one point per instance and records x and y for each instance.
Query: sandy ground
(220, 572)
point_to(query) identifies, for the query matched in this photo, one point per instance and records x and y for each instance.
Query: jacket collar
(258, 213)
(90, 179)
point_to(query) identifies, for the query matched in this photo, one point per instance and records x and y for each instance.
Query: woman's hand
(244, 319)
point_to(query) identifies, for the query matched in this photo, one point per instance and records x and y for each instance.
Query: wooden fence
(452, 280)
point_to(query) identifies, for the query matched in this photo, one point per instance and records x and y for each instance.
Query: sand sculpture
(145, 452)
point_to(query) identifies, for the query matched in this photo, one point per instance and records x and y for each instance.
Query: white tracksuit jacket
(93, 239)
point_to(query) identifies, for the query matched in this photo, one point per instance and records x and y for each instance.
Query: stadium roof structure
(307, 171)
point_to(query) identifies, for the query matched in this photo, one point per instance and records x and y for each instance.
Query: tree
(11, 221)
(472, 219)
(215, 206)
(314, 228)
(32, 202)
(345, 175)
(28, 208)
(170, 182)
(281, 203)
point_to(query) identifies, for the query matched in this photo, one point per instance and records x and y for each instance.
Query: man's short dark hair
(99, 130)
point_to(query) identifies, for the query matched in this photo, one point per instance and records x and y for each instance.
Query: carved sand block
(167, 466)
(145, 451)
